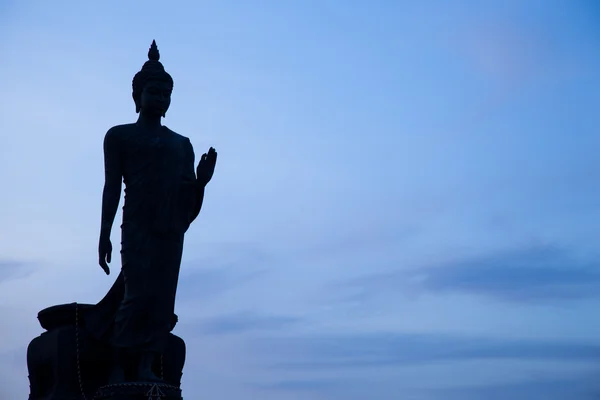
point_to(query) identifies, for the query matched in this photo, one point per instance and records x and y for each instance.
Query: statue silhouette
(163, 196)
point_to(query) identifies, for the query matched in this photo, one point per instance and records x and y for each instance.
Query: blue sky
(405, 203)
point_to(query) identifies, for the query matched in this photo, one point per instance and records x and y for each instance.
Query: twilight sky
(405, 206)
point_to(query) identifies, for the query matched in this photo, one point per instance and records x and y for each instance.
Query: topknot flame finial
(151, 70)
(153, 54)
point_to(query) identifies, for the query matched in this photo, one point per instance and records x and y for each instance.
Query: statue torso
(157, 167)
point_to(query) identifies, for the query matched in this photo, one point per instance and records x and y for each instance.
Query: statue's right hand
(105, 253)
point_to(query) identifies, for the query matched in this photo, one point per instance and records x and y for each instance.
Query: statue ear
(137, 103)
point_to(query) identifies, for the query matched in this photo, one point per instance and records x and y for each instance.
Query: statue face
(156, 98)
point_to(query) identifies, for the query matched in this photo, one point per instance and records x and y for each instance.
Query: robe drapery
(160, 193)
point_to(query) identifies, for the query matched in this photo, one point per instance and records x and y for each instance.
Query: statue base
(138, 391)
(67, 363)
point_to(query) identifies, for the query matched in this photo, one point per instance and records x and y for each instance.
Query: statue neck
(150, 122)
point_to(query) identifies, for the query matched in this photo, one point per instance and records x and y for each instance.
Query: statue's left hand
(104, 253)
(206, 167)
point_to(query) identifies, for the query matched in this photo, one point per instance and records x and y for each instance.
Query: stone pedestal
(65, 362)
(138, 391)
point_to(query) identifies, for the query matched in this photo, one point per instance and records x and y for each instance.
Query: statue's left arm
(198, 187)
(199, 199)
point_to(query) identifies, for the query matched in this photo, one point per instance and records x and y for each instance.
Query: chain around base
(78, 353)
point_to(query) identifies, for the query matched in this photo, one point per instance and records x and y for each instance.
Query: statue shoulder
(178, 137)
(113, 140)
(118, 131)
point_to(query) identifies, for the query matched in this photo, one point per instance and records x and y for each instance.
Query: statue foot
(145, 373)
(117, 375)
(117, 370)
(148, 376)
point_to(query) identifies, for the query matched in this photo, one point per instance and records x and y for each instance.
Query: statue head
(152, 86)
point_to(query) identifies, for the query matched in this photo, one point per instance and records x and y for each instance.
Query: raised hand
(105, 253)
(206, 167)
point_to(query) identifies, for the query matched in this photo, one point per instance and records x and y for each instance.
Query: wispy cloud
(222, 267)
(244, 322)
(531, 274)
(528, 274)
(584, 387)
(371, 350)
(13, 269)
(314, 386)
(203, 284)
